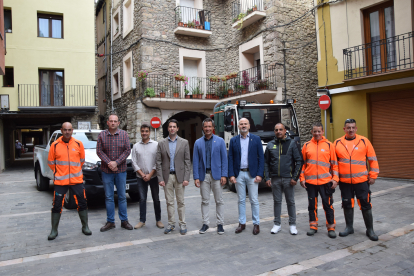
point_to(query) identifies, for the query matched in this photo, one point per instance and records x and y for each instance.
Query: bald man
(66, 158)
(246, 166)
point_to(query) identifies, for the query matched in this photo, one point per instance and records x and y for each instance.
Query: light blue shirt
(172, 145)
(244, 144)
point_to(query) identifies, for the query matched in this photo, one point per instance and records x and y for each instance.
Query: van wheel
(42, 183)
(232, 187)
(134, 196)
(69, 202)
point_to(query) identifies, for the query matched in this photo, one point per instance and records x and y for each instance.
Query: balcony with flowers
(246, 12)
(192, 22)
(196, 93)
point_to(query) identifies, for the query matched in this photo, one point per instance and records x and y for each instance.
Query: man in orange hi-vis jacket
(66, 157)
(353, 151)
(319, 175)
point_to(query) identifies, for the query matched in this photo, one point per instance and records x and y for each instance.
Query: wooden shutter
(392, 125)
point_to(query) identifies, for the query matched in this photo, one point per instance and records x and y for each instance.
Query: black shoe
(108, 226)
(203, 229)
(125, 224)
(349, 220)
(220, 229)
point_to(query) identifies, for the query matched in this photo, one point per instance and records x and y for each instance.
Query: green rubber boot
(332, 234)
(55, 224)
(83, 215)
(367, 214)
(349, 220)
(311, 232)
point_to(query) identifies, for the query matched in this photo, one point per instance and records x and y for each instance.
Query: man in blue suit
(246, 167)
(209, 171)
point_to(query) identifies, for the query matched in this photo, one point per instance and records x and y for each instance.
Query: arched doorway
(189, 126)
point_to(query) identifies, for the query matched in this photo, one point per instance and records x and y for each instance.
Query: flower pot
(176, 94)
(199, 96)
(186, 25)
(244, 91)
(208, 96)
(177, 78)
(225, 96)
(254, 8)
(180, 24)
(187, 96)
(162, 95)
(230, 91)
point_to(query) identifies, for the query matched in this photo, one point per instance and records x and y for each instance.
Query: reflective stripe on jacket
(320, 165)
(66, 161)
(353, 167)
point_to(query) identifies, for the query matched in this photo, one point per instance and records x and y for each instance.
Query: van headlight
(89, 166)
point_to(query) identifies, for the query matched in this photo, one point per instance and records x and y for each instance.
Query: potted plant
(185, 25)
(262, 84)
(223, 78)
(230, 91)
(214, 79)
(245, 82)
(186, 91)
(180, 21)
(249, 11)
(234, 74)
(191, 24)
(176, 93)
(179, 77)
(163, 92)
(149, 92)
(255, 8)
(142, 75)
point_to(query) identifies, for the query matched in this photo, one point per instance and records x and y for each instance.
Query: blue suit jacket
(255, 156)
(218, 158)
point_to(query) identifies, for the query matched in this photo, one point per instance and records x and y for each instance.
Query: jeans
(206, 186)
(244, 179)
(143, 191)
(282, 185)
(119, 180)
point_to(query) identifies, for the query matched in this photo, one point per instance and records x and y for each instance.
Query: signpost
(324, 103)
(155, 123)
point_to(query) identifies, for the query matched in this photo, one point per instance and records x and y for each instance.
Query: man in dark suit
(173, 172)
(246, 166)
(210, 168)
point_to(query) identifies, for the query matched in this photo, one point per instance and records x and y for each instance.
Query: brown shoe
(256, 229)
(139, 225)
(160, 225)
(107, 226)
(240, 228)
(125, 224)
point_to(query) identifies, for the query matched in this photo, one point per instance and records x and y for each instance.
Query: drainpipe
(110, 74)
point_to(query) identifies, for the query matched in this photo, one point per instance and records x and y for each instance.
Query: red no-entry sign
(155, 122)
(324, 102)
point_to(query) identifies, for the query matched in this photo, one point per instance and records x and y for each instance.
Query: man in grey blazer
(173, 172)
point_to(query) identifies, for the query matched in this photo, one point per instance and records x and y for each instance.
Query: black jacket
(283, 158)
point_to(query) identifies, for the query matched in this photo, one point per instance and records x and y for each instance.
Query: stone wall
(158, 52)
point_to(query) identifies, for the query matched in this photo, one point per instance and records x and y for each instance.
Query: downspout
(110, 74)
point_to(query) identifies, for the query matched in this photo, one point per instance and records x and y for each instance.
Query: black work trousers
(327, 201)
(143, 191)
(78, 191)
(361, 191)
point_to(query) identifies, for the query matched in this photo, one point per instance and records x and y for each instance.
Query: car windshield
(88, 139)
(263, 120)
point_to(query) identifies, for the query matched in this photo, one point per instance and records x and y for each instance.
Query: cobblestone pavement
(25, 216)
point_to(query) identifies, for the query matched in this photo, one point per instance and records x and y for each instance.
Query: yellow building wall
(27, 53)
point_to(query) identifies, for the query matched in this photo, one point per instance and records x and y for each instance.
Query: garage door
(392, 122)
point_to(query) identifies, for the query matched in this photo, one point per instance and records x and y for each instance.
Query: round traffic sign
(324, 102)
(155, 122)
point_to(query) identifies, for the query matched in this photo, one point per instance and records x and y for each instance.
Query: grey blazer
(182, 162)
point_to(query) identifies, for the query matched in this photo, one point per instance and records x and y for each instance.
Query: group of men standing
(319, 167)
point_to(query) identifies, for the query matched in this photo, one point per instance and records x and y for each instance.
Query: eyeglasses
(350, 121)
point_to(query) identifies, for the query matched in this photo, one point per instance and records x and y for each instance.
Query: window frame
(50, 17)
(128, 16)
(52, 92)
(11, 20)
(367, 35)
(116, 23)
(5, 73)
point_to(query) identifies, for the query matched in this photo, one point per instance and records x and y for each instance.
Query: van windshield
(263, 119)
(88, 139)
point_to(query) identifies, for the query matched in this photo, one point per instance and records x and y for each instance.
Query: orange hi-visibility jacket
(66, 161)
(352, 160)
(320, 165)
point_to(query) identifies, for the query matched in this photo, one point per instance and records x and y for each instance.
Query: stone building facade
(153, 46)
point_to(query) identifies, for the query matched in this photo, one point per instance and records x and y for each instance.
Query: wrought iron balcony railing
(378, 57)
(251, 80)
(35, 95)
(245, 7)
(192, 18)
